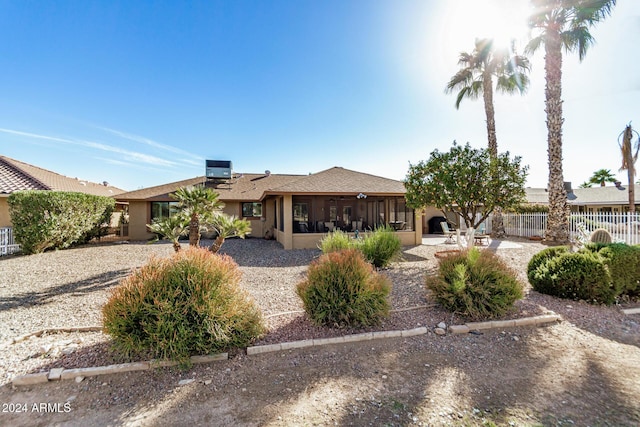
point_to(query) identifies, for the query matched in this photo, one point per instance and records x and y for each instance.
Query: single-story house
(296, 210)
(18, 176)
(611, 198)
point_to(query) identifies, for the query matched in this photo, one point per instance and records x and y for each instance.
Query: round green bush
(623, 262)
(381, 247)
(476, 284)
(342, 289)
(542, 258)
(176, 307)
(579, 276)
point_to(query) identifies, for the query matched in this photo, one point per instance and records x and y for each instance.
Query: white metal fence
(7, 244)
(623, 227)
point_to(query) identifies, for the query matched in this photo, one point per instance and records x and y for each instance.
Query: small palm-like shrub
(175, 307)
(381, 247)
(476, 284)
(342, 289)
(337, 240)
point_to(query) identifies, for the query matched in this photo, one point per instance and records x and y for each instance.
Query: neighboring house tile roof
(17, 176)
(335, 180)
(608, 195)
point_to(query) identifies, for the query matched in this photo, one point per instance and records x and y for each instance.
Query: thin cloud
(152, 143)
(129, 155)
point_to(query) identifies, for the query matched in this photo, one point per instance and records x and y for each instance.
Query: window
(400, 215)
(251, 210)
(161, 210)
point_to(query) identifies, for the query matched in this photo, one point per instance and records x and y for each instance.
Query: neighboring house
(614, 198)
(18, 176)
(296, 210)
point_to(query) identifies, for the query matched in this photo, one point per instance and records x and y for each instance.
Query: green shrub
(541, 258)
(337, 240)
(342, 289)
(579, 276)
(475, 283)
(55, 219)
(623, 262)
(381, 247)
(175, 307)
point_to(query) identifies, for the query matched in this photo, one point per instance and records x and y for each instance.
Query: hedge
(57, 219)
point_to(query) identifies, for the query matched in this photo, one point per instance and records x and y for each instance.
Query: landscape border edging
(55, 374)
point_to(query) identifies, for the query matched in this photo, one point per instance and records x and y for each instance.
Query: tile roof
(340, 180)
(249, 186)
(608, 195)
(16, 176)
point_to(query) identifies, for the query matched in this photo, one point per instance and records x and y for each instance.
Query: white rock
(187, 381)
(79, 379)
(440, 331)
(442, 325)
(45, 349)
(207, 382)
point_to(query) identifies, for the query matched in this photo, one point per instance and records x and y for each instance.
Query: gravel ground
(66, 289)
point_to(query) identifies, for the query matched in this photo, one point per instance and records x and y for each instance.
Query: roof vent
(267, 172)
(218, 169)
(567, 187)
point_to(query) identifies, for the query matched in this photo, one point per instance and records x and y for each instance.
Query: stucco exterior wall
(5, 218)
(138, 220)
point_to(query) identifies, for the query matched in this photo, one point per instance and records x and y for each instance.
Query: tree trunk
(497, 226)
(558, 221)
(217, 244)
(627, 151)
(176, 246)
(194, 230)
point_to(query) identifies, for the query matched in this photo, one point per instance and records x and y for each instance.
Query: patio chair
(481, 235)
(447, 232)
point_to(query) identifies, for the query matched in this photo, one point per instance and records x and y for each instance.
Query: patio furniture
(447, 232)
(479, 238)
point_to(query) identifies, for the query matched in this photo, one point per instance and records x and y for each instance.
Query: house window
(161, 210)
(251, 210)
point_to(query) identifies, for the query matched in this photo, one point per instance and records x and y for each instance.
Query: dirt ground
(560, 374)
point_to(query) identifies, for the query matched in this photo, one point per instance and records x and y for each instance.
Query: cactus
(600, 236)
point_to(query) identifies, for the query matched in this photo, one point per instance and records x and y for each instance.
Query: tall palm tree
(198, 203)
(475, 78)
(561, 24)
(629, 153)
(602, 176)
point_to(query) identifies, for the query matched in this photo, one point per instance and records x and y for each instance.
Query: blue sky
(141, 93)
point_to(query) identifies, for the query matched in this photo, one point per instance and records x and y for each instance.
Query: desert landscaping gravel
(67, 289)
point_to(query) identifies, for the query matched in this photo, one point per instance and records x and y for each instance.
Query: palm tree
(602, 176)
(198, 203)
(475, 78)
(629, 153)
(562, 24)
(171, 228)
(227, 226)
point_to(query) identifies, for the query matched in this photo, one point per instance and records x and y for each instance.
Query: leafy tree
(227, 226)
(629, 153)
(602, 176)
(467, 181)
(561, 24)
(171, 228)
(475, 78)
(199, 204)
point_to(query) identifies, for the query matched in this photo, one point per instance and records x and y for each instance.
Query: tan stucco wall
(5, 219)
(138, 220)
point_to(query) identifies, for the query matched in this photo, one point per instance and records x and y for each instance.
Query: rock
(79, 379)
(45, 349)
(207, 382)
(442, 325)
(440, 331)
(187, 381)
